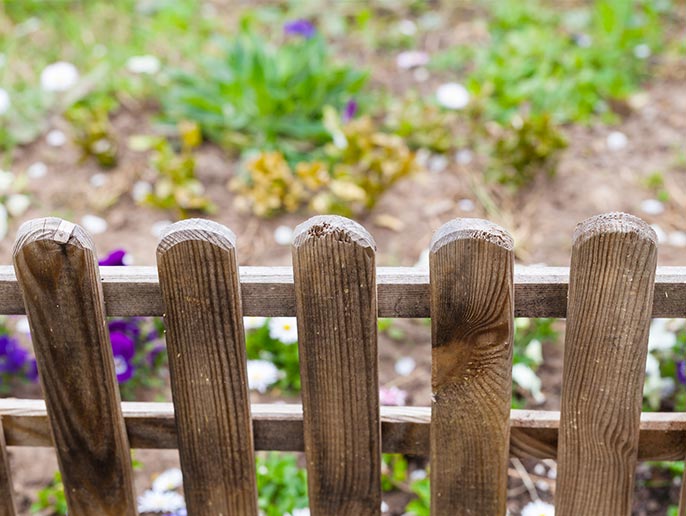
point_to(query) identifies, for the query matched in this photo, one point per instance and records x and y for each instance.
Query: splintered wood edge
(615, 222)
(471, 229)
(52, 229)
(404, 429)
(196, 230)
(334, 226)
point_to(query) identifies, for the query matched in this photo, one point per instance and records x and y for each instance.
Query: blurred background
(127, 115)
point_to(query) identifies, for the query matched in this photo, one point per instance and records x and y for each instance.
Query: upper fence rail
(403, 292)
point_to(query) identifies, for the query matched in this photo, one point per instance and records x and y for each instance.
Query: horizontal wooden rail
(402, 291)
(404, 429)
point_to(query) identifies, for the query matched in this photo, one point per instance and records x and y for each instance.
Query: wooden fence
(473, 293)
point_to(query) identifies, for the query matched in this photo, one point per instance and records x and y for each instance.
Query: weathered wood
(610, 295)
(7, 505)
(533, 433)
(402, 292)
(472, 328)
(333, 264)
(58, 274)
(207, 361)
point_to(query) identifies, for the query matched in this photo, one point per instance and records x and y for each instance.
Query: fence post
(611, 286)
(335, 291)
(472, 323)
(58, 274)
(7, 505)
(207, 361)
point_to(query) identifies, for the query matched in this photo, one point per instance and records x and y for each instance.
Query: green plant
(530, 334)
(420, 506)
(568, 67)
(524, 148)
(355, 170)
(51, 497)
(281, 484)
(254, 94)
(393, 471)
(175, 186)
(90, 121)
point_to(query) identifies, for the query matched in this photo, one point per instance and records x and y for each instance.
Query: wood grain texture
(610, 295)
(57, 270)
(7, 505)
(533, 433)
(402, 291)
(472, 328)
(333, 263)
(207, 361)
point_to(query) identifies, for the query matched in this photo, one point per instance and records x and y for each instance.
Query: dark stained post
(472, 322)
(608, 317)
(205, 339)
(335, 291)
(58, 273)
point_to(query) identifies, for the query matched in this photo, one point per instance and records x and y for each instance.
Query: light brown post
(608, 317)
(335, 291)
(58, 274)
(7, 506)
(205, 339)
(472, 322)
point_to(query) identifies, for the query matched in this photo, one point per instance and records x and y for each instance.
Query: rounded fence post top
(614, 222)
(53, 229)
(471, 228)
(196, 229)
(340, 228)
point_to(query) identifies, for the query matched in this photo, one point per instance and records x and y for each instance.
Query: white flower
(677, 239)
(94, 224)
(418, 474)
(154, 501)
(253, 323)
(534, 351)
(301, 512)
(6, 180)
(616, 140)
(283, 235)
(262, 374)
(411, 59)
(98, 180)
(56, 138)
(404, 366)
(464, 157)
(660, 337)
(407, 28)
(22, 325)
(538, 508)
(284, 329)
(17, 204)
(466, 205)
(3, 221)
(652, 206)
(452, 95)
(37, 170)
(392, 396)
(437, 163)
(5, 101)
(59, 76)
(146, 64)
(642, 51)
(385, 507)
(168, 480)
(660, 233)
(141, 189)
(158, 227)
(525, 377)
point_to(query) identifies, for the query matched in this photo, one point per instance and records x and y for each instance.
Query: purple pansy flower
(13, 356)
(122, 345)
(350, 110)
(32, 371)
(127, 326)
(300, 27)
(116, 257)
(681, 371)
(123, 368)
(156, 352)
